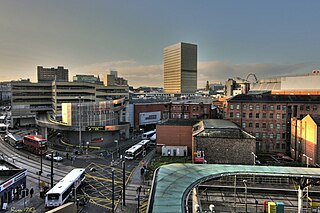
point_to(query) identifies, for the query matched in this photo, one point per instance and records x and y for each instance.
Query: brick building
(305, 135)
(268, 117)
(221, 141)
(177, 132)
(147, 115)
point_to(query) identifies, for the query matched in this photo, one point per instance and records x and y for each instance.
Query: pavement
(132, 193)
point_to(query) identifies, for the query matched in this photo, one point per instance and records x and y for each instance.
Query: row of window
(264, 125)
(258, 115)
(271, 107)
(264, 135)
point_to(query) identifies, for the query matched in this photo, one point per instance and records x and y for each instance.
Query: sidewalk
(136, 180)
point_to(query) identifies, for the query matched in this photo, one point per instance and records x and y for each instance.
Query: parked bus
(144, 143)
(66, 187)
(35, 144)
(3, 128)
(153, 139)
(15, 140)
(133, 152)
(148, 135)
(3, 119)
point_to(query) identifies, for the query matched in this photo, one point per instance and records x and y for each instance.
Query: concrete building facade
(180, 68)
(51, 74)
(305, 138)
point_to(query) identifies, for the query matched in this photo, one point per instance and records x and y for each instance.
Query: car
(56, 158)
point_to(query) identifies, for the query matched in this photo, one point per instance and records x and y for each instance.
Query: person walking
(31, 192)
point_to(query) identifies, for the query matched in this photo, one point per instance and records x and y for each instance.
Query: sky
(234, 38)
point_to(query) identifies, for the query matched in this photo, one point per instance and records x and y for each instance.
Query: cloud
(136, 74)
(222, 70)
(152, 75)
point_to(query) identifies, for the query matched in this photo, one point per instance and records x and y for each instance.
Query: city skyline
(234, 38)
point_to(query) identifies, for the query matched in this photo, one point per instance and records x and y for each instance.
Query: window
(278, 116)
(243, 124)
(257, 125)
(271, 115)
(244, 115)
(301, 107)
(284, 107)
(264, 125)
(278, 136)
(257, 115)
(315, 108)
(264, 115)
(277, 145)
(250, 124)
(271, 126)
(237, 106)
(231, 114)
(257, 107)
(278, 107)
(283, 146)
(251, 107)
(244, 106)
(283, 126)
(271, 135)
(278, 126)
(257, 135)
(250, 115)
(308, 108)
(264, 107)
(284, 116)
(264, 135)
(271, 107)
(238, 115)
(283, 135)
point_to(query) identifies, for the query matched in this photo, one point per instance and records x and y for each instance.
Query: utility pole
(112, 190)
(51, 169)
(124, 182)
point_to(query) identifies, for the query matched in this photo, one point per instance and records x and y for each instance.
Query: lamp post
(245, 193)
(308, 158)
(79, 111)
(87, 147)
(116, 141)
(254, 158)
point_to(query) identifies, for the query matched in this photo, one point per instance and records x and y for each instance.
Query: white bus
(148, 135)
(144, 143)
(133, 152)
(2, 119)
(64, 188)
(14, 140)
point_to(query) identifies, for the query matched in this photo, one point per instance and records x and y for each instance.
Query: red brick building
(268, 117)
(147, 115)
(177, 132)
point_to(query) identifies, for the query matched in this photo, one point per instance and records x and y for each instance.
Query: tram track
(32, 163)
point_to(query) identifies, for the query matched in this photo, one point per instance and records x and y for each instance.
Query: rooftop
(254, 98)
(180, 122)
(173, 182)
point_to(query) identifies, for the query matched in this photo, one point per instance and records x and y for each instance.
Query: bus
(66, 187)
(15, 140)
(3, 119)
(133, 152)
(35, 144)
(3, 128)
(144, 143)
(148, 135)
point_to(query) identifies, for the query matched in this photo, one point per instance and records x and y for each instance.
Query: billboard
(149, 117)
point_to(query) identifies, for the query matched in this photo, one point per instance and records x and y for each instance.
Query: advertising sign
(149, 117)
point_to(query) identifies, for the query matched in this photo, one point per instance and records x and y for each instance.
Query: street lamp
(245, 193)
(308, 158)
(79, 111)
(87, 146)
(254, 158)
(117, 146)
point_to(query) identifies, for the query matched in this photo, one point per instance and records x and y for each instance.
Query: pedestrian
(67, 155)
(142, 171)
(31, 192)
